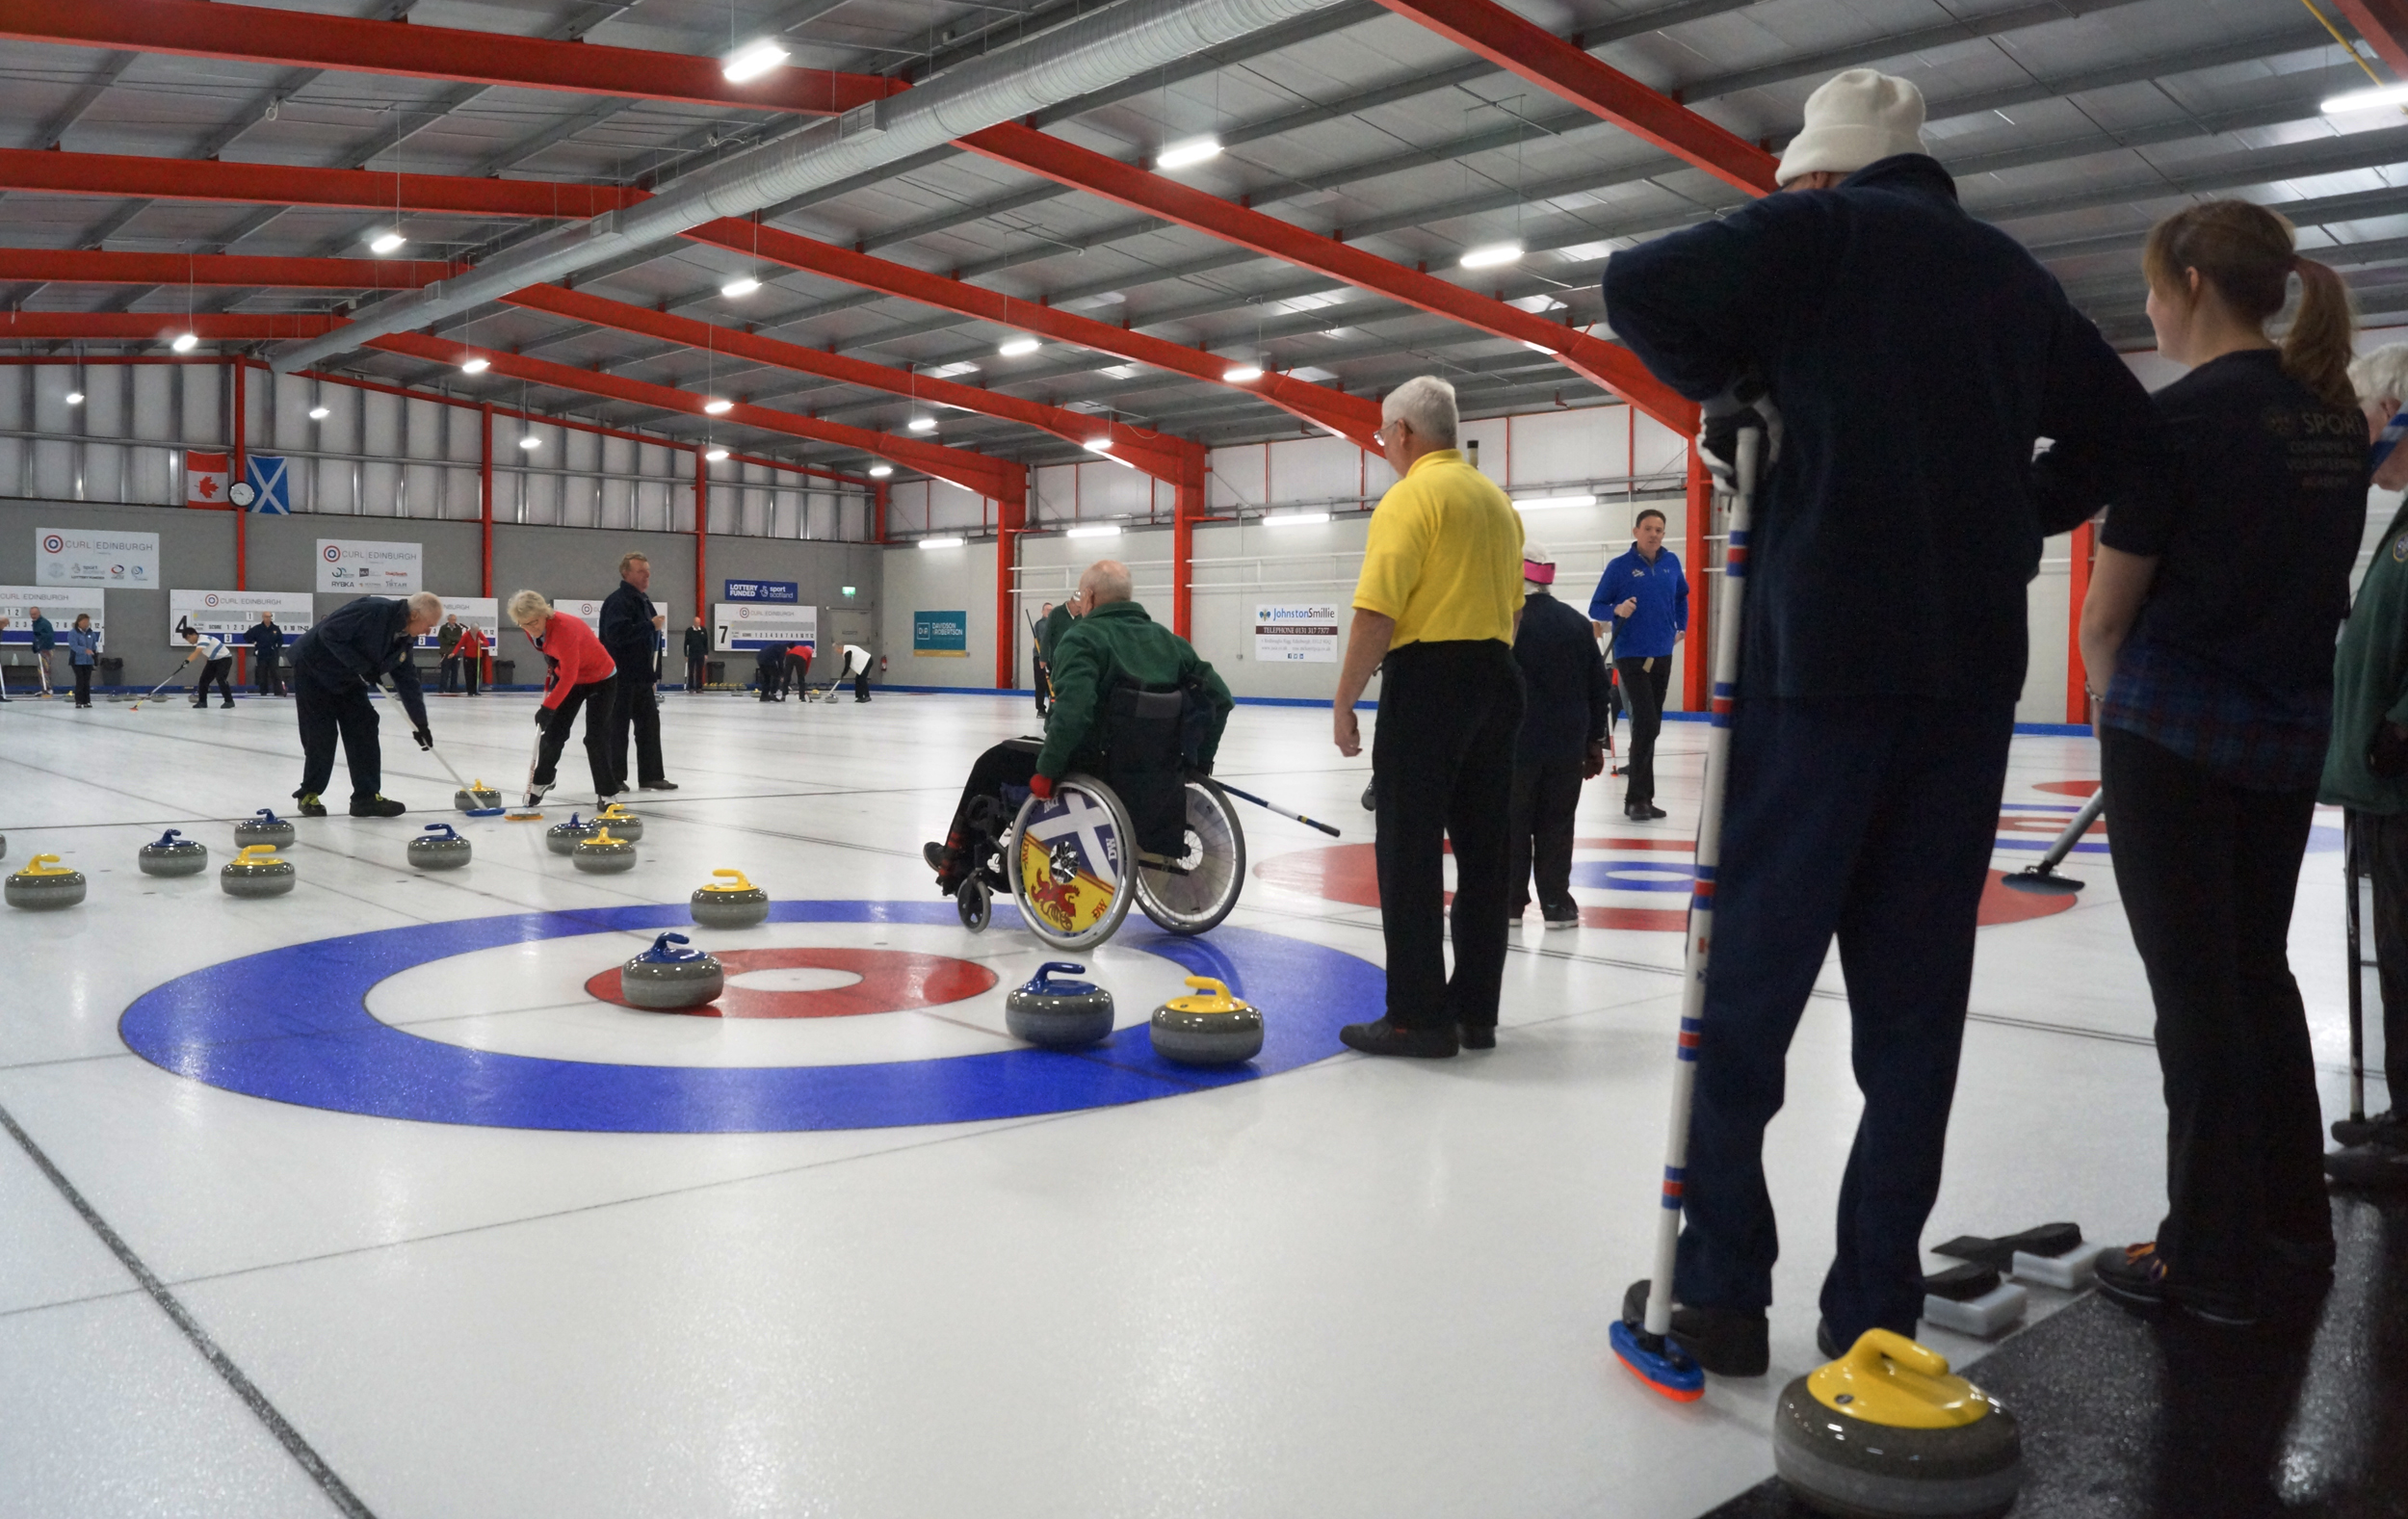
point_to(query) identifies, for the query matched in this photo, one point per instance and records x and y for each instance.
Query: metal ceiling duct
(1092, 53)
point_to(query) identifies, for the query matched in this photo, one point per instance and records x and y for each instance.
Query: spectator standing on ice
(45, 639)
(1643, 597)
(267, 654)
(1567, 708)
(631, 631)
(1904, 359)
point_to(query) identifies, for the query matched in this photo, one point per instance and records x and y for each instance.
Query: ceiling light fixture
(1194, 150)
(1101, 530)
(1551, 503)
(751, 61)
(1099, 445)
(716, 455)
(942, 542)
(1013, 348)
(476, 364)
(880, 471)
(1492, 255)
(2365, 100)
(387, 242)
(320, 413)
(1242, 374)
(718, 407)
(185, 342)
(74, 398)
(740, 287)
(531, 441)
(1538, 347)
(1295, 519)
(922, 424)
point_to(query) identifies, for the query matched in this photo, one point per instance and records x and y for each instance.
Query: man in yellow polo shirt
(1439, 599)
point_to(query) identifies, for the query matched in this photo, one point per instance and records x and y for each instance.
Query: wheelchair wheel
(1194, 892)
(975, 904)
(1067, 860)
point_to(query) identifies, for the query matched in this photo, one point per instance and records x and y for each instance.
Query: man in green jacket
(1112, 643)
(2366, 770)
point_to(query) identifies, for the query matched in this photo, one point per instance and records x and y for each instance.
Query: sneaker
(2135, 1279)
(1566, 915)
(535, 797)
(1728, 1342)
(1371, 798)
(310, 805)
(1382, 1038)
(1478, 1035)
(2387, 1129)
(377, 806)
(2369, 1167)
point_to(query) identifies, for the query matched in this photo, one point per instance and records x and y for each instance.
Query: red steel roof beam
(1355, 418)
(1576, 76)
(1157, 453)
(975, 472)
(63, 173)
(349, 44)
(1611, 365)
(2384, 24)
(146, 326)
(99, 267)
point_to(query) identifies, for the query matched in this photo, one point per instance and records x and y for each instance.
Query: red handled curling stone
(263, 827)
(173, 856)
(662, 979)
(438, 848)
(1059, 1014)
(1885, 1432)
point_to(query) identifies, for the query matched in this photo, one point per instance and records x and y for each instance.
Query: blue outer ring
(292, 1025)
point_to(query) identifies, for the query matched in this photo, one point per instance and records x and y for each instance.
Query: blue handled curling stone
(43, 885)
(663, 980)
(622, 821)
(256, 872)
(263, 827)
(438, 848)
(1063, 1014)
(1214, 1029)
(729, 902)
(173, 856)
(562, 837)
(1885, 1433)
(603, 854)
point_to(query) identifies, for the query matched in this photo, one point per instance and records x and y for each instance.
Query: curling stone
(1886, 1431)
(661, 977)
(45, 884)
(603, 854)
(1213, 1030)
(1064, 1014)
(622, 821)
(438, 848)
(478, 798)
(256, 872)
(562, 837)
(173, 856)
(263, 827)
(729, 902)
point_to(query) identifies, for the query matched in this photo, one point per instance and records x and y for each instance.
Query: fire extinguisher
(881, 664)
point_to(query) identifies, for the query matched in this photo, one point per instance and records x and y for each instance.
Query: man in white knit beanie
(1853, 121)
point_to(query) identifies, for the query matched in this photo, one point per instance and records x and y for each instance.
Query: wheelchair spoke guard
(1069, 858)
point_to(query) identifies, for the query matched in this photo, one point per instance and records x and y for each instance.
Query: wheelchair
(1158, 833)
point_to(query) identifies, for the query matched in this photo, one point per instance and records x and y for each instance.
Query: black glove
(2388, 754)
(1747, 404)
(425, 737)
(544, 719)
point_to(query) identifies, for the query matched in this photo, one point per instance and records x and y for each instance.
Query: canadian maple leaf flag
(204, 479)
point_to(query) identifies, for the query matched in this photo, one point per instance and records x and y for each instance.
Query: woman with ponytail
(2208, 635)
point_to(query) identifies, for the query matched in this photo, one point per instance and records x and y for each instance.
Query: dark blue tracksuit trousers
(1872, 820)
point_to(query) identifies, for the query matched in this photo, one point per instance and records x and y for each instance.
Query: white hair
(1426, 404)
(1106, 580)
(529, 606)
(425, 604)
(2382, 374)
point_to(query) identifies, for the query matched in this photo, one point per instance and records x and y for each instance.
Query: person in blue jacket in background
(1903, 361)
(1643, 596)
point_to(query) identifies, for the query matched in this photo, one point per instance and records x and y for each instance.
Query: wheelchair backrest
(1144, 728)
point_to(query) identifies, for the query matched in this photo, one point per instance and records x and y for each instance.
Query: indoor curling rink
(361, 1200)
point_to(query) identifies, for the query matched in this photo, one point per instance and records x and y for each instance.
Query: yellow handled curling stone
(729, 902)
(43, 885)
(1212, 1030)
(256, 872)
(622, 821)
(603, 854)
(1886, 1431)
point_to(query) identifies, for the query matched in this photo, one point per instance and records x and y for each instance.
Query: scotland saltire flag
(271, 486)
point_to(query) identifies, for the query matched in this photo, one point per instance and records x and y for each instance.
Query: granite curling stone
(43, 885)
(662, 979)
(256, 872)
(729, 902)
(263, 827)
(604, 854)
(173, 856)
(1059, 1014)
(622, 821)
(562, 837)
(478, 798)
(1886, 1431)
(1216, 1029)
(438, 848)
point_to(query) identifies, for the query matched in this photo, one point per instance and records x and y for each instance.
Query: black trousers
(798, 674)
(450, 676)
(2207, 871)
(594, 696)
(83, 685)
(1045, 683)
(2383, 854)
(269, 674)
(1442, 772)
(1643, 692)
(218, 672)
(861, 686)
(1010, 763)
(637, 705)
(331, 709)
(468, 665)
(1546, 793)
(698, 674)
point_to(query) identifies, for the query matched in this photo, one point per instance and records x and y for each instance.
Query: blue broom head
(1663, 1367)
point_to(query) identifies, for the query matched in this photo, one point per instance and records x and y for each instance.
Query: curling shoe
(1478, 1035)
(2387, 1129)
(1727, 1341)
(2377, 1168)
(377, 806)
(1382, 1038)
(534, 798)
(311, 805)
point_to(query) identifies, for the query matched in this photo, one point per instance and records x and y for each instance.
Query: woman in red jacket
(470, 652)
(578, 674)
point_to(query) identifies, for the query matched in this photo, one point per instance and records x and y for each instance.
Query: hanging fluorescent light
(718, 407)
(320, 413)
(74, 398)
(386, 241)
(1013, 348)
(942, 542)
(2365, 100)
(1538, 347)
(880, 471)
(1551, 503)
(1194, 150)
(714, 455)
(477, 364)
(1099, 445)
(1101, 530)
(751, 61)
(922, 424)
(1492, 255)
(1242, 374)
(531, 441)
(1295, 519)
(740, 287)
(185, 342)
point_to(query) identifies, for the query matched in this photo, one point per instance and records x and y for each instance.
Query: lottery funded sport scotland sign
(786, 592)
